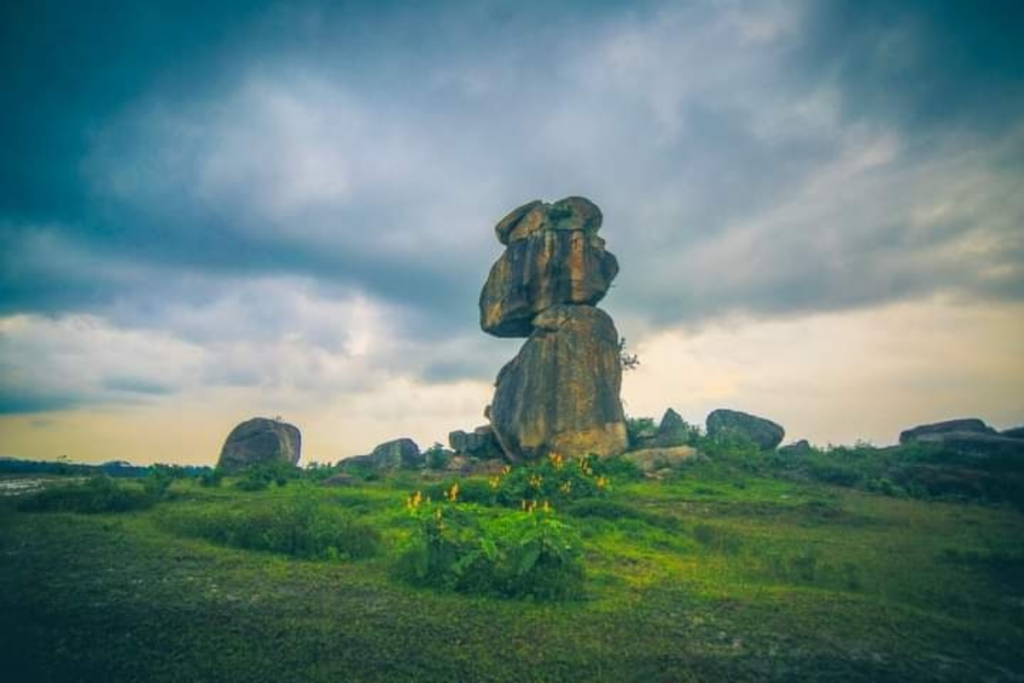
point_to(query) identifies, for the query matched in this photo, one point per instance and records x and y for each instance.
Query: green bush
(95, 495)
(260, 477)
(553, 481)
(514, 555)
(302, 525)
(211, 478)
(437, 457)
(158, 482)
(640, 428)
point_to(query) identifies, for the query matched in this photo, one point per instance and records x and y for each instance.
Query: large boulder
(560, 394)
(967, 424)
(480, 443)
(260, 441)
(397, 454)
(763, 432)
(554, 256)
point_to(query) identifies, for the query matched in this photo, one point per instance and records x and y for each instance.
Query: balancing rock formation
(560, 394)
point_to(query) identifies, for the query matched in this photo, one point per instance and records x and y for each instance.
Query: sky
(211, 211)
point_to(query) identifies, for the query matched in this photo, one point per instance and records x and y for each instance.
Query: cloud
(314, 219)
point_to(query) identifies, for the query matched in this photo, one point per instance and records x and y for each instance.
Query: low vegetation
(739, 566)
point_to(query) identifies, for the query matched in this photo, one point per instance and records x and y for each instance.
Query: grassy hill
(716, 573)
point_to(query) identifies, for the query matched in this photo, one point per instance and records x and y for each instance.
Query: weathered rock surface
(554, 256)
(763, 432)
(801, 447)
(672, 430)
(654, 459)
(397, 454)
(969, 424)
(560, 394)
(260, 441)
(480, 443)
(571, 213)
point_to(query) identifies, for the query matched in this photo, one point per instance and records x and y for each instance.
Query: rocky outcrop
(762, 432)
(796, 449)
(390, 455)
(561, 393)
(260, 441)
(397, 454)
(554, 256)
(480, 443)
(962, 425)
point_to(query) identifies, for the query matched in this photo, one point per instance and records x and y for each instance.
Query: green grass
(714, 575)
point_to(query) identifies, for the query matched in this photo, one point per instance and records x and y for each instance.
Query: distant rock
(260, 441)
(796, 449)
(397, 454)
(763, 432)
(969, 424)
(553, 256)
(672, 430)
(653, 459)
(480, 443)
(356, 462)
(1013, 433)
(560, 394)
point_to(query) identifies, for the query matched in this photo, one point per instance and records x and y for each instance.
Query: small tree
(629, 361)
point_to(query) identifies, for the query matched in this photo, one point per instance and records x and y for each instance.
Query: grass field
(712, 575)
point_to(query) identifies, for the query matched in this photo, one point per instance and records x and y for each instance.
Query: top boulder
(553, 257)
(571, 213)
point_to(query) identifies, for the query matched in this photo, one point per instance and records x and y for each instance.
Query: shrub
(515, 555)
(211, 478)
(159, 480)
(97, 494)
(259, 477)
(553, 481)
(640, 428)
(437, 457)
(302, 525)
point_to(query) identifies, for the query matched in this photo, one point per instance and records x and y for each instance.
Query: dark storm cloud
(204, 170)
(941, 63)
